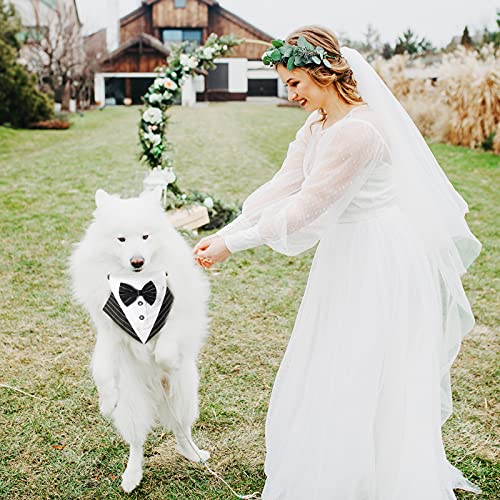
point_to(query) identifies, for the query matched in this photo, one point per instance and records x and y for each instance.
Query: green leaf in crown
(295, 56)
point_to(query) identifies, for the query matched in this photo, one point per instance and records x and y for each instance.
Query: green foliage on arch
(184, 61)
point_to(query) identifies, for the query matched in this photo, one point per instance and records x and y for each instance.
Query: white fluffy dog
(141, 384)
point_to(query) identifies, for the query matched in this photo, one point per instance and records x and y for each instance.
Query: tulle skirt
(355, 412)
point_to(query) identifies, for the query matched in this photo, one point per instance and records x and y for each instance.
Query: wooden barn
(144, 37)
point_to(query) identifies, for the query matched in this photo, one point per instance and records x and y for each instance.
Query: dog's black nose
(137, 262)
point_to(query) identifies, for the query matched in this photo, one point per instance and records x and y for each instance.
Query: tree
(409, 43)
(371, 43)
(493, 36)
(387, 51)
(466, 40)
(55, 52)
(21, 103)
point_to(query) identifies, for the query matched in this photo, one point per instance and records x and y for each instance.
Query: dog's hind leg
(182, 410)
(133, 473)
(133, 418)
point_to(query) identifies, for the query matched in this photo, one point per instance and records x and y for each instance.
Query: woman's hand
(211, 250)
(204, 242)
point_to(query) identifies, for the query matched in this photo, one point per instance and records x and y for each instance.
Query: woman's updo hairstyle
(340, 74)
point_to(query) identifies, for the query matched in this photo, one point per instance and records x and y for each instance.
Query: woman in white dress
(360, 397)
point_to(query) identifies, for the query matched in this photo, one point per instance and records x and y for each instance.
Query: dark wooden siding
(143, 60)
(224, 25)
(194, 15)
(135, 23)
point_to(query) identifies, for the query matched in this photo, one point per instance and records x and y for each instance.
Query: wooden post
(128, 88)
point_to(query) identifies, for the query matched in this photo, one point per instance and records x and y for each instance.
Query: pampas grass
(460, 104)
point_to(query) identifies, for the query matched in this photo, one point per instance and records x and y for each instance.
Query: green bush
(21, 103)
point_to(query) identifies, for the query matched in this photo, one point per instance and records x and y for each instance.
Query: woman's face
(302, 88)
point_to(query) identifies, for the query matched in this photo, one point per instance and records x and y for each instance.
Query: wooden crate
(191, 217)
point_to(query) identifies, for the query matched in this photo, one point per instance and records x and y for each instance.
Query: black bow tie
(129, 294)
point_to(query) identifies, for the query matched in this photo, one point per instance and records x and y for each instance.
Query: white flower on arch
(152, 115)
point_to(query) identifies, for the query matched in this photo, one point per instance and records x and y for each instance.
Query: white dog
(142, 382)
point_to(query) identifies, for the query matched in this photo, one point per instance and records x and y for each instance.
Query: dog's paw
(195, 455)
(131, 479)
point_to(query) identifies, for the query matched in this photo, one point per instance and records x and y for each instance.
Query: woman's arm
(295, 224)
(284, 183)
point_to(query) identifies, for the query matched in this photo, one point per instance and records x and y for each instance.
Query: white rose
(208, 202)
(192, 62)
(154, 98)
(184, 59)
(159, 82)
(170, 84)
(154, 139)
(208, 52)
(167, 95)
(152, 115)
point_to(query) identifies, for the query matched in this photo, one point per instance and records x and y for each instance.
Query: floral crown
(294, 56)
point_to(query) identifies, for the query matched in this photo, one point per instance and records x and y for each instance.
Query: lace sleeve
(284, 183)
(295, 224)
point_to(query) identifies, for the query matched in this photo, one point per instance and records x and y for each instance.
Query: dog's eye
(145, 236)
(121, 238)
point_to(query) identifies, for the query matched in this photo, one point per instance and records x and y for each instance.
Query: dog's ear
(154, 195)
(101, 198)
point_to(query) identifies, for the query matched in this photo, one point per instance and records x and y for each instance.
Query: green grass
(59, 446)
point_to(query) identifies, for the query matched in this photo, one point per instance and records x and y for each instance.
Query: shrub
(460, 105)
(52, 124)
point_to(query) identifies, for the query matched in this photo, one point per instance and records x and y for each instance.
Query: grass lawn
(57, 445)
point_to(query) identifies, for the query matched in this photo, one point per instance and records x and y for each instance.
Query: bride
(363, 389)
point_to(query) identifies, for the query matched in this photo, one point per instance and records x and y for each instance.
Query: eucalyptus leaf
(287, 50)
(276, 55)
(277, 43)
(316, 59)
(302, 42)
(309, 46)
(291, 64)
(320, 50)
(297, 60)
(326, 62)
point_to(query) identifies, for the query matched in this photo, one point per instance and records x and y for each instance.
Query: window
(180, 4)
(50, 3)
(218, 79)
(180, 35)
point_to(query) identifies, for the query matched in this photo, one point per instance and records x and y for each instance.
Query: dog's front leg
(168, 352)
(105, 371)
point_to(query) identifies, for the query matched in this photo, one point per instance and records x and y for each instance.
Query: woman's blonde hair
(339, 75)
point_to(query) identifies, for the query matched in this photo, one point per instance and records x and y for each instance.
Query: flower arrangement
(184, 61)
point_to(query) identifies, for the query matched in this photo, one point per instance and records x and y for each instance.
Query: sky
(437, 20)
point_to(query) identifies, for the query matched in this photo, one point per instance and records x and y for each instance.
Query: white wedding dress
(355, 412)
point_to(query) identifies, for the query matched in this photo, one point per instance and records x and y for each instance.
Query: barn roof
(142, 38)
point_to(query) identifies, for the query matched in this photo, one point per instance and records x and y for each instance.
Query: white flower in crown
(208, 202)
(190, 62)
(167, 95)
(208, 52)
(154, 98)
(154, 139)
(224, 47)
(152, 115)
